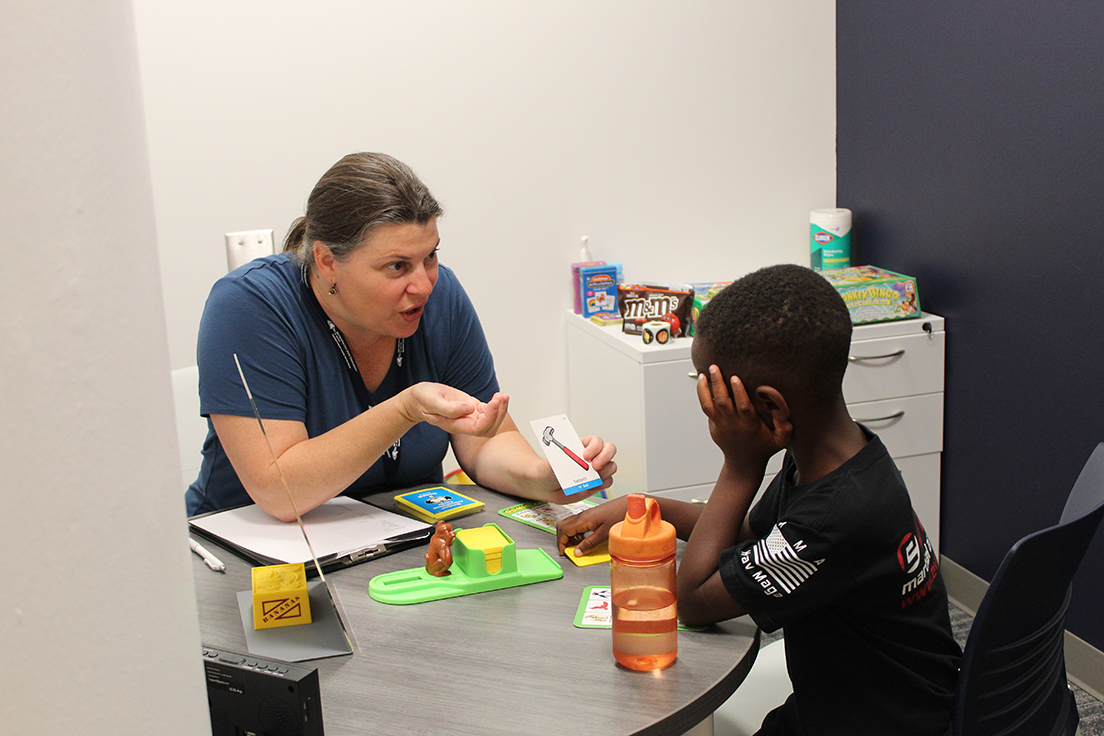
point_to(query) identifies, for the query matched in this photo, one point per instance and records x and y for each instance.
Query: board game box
(874, 294)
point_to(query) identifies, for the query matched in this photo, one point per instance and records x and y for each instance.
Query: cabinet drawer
(910, 425)
(680, 452)
(894, 366)
(677, 444)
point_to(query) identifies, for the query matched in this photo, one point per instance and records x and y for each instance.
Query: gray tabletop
(503, 662)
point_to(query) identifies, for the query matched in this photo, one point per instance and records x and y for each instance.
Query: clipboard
(344, 531)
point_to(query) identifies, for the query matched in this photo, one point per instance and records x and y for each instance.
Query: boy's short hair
(783, 326)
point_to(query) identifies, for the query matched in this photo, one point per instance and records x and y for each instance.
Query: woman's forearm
(316, 468)
(505, 462)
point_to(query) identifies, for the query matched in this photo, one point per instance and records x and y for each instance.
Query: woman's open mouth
(413, 315)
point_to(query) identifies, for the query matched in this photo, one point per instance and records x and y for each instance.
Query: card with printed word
(564, 451)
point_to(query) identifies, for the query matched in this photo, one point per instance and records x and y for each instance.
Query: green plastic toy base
(418, 586)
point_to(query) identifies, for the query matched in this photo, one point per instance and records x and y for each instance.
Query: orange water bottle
(642, 579)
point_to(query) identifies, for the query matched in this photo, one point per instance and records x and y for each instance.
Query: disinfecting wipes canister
(830, 238)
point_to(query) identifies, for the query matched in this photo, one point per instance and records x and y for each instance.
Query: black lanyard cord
(391, 455)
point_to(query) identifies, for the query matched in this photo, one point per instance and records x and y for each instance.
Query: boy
(833, 552)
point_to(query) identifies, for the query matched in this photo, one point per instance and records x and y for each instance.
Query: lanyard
(391, 454)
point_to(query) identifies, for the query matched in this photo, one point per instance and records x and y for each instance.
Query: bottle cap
(836, 220)
(643, 535)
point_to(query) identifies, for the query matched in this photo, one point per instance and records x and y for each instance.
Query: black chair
(1012, 678)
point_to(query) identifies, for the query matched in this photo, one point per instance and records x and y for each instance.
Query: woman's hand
(455, 411)
(596, 522)
(598, 454)
(507, 463)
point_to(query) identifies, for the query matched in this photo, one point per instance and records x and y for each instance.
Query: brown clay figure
(439, 555)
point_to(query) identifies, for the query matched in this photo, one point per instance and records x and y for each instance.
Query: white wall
(98, 624)
(688, 139)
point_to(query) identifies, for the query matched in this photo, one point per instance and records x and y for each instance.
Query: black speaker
(261, 697)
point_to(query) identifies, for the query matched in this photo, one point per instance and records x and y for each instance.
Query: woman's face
(383, 286)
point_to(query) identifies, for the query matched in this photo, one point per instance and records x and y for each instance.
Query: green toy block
(484, 559)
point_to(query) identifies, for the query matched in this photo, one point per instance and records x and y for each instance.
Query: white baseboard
(965, 588)
(1084, 662)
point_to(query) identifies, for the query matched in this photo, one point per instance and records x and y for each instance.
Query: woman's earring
(333, 289)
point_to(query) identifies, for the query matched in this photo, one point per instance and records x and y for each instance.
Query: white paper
(339, 526)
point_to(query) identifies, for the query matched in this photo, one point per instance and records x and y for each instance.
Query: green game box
(874, 294)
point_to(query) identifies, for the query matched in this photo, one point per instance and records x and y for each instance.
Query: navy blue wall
(971, 150)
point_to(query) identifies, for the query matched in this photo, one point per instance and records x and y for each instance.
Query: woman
(365, 359)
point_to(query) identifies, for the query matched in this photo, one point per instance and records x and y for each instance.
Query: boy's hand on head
(597, 521)
(734, 424)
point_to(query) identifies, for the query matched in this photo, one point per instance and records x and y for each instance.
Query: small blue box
(598, 287)
(437, 504)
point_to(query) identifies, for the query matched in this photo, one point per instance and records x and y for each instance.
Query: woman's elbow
(272, 503)
(281, 512)
(286, 516)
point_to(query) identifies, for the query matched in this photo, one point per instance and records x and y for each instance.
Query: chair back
(1012, 678)
(191, 428)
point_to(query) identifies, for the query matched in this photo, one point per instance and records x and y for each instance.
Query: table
(504, 662)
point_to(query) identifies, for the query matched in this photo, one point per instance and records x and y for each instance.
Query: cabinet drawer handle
(857, 358)
(897, 415)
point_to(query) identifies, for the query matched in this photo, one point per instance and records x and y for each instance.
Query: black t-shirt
(844, 565)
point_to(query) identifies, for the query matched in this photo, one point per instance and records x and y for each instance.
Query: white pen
(212, 562)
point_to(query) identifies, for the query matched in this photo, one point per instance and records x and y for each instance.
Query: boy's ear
(775, 405)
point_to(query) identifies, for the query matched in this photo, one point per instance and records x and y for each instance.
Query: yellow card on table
(595, 556)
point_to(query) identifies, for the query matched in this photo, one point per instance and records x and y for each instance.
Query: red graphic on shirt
(908, 553)
(917, 558)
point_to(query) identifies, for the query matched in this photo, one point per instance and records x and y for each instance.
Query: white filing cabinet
(641, 398)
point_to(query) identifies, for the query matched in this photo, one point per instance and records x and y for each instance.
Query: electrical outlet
(246, 245)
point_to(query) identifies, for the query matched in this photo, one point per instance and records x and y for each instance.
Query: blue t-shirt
(296, 371)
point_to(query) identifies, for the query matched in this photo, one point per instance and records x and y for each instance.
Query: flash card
(595, 610)
(544, 515)
(596, 556)
(564, 451)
